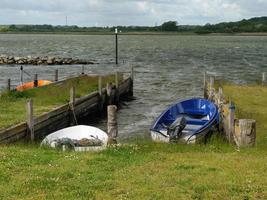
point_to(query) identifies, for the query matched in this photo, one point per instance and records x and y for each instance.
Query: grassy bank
(145, 170)
(13, 104)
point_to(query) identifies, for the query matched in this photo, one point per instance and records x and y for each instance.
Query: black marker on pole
(116, 37)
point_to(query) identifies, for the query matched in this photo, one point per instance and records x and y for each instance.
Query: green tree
(169, 26)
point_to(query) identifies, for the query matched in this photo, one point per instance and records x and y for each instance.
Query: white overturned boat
(78, 138)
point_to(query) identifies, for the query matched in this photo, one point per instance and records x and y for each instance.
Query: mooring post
(72, 97)
(117, 79)
(220, 95)
(112, 126)
(21, 75)
(231, 121)
(111, 94)
(30, 119)
(247, 135)
(83, 70)
(35, 80)
(56, 75)
(100, 92)
(211, 88)
(205, 85)
(8, 87)
(132, 81)
(72, 104)
(116, 44)
(263, 78)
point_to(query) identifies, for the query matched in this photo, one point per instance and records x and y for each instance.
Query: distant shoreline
(140, 33)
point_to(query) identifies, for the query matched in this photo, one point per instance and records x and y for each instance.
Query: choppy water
(168, 68)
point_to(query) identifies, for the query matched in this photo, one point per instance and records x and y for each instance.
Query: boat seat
(195, 112)
(196, 121)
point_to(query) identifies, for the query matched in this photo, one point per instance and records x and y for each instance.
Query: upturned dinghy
(78, 138)
(187, 121)
(30, 85)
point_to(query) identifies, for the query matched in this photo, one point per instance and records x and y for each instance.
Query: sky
(128, 12)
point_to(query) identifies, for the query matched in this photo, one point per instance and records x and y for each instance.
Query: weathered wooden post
(263, 78)
(132, 82)
(8, 86)
(100, 92)
(112, 125)
(111, 94)
(205, 85)
(220, 95)
(35, 82)
(21, 75)
(56, 75)
(117, 79)
(72, 104)
(211, 88)
(83, 70)
(231, 122)
(30, 119)
(245, 136)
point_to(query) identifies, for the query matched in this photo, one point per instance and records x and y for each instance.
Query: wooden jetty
(242, 132)
(90, 106)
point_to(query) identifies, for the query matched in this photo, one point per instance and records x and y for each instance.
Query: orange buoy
(30, 85)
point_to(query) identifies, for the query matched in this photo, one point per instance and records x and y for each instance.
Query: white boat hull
(77, 133)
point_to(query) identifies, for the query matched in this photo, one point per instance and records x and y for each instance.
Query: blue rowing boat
(187, 121)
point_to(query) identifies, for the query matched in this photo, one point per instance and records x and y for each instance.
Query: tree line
(251, 25)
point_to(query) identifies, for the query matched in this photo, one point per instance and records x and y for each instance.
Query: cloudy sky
(127, 12)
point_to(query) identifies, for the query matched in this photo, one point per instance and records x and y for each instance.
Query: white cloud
(128, 12)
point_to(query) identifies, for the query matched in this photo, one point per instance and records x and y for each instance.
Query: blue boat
(187, 121)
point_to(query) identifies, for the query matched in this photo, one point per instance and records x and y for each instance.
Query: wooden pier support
(231, 122)
(263, 78)
(205, 92)
(30, 119)
(56, 75)
(112, 125)
(211, 88)
(35, 80)
(245, 133)
(8, 86)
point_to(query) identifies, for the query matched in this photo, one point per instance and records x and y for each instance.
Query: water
(168, 68)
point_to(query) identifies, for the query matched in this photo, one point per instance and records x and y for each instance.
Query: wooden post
(246, 134)
(56, 75)
(35, 80)
(8, 87)
(21, 75)
(112, 126)
(72, 97)
(220, 95)
(117, 79)
(72, 104)
(111, 94)
(231, 122)
(100, 92)
(83, 70)
(211, 92)
(132, 82)
(100, 87)
(263, 78)
(30, 119)
(205, 85)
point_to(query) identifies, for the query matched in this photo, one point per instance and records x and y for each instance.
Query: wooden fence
(242, 132)
(66, 115)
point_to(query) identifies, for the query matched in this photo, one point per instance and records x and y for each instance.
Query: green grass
(144, 170)
(13, 104)
(251, 103)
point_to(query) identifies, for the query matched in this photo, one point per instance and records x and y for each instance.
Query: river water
(168, 68)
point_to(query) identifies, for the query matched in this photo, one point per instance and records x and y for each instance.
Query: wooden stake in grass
(8, 87)
(112, 125)
(30, 119)
(231, 121)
